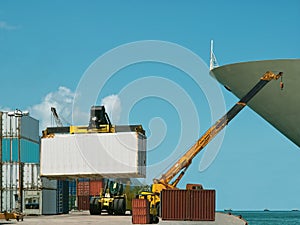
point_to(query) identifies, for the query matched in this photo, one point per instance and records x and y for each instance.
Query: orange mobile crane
(177, 171)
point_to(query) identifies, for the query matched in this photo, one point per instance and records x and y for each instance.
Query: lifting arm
(185, 161)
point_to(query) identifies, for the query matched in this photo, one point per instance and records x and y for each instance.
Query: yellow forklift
(112, 199)
(12, 215)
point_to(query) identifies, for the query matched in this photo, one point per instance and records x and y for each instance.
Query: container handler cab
(99, 123)
(171, 178)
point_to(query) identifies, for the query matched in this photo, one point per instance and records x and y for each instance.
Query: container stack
(83, 194)
(193, 205)
(86, 189)
(50, 198)
(22, 188)
(140, 211)
(19, 158)
(19, 135)
(11, 185)
(96, 186)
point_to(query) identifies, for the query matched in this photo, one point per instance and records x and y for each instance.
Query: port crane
(171, 178)
(56, 117)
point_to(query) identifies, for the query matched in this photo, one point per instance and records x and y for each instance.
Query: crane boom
(56, 117)
(185, 161)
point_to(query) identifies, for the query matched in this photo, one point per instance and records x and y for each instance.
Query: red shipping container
(140, 211)
(140, 203)
(83, 188)
(188, 205)
(95, 187)
(202, 205)
(174, 204)
(83, 202)
(138, 219)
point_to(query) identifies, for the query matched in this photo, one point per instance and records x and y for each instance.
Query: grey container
(49, 183)
(49, 200)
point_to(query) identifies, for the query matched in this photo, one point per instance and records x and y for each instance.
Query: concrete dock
(84, 218)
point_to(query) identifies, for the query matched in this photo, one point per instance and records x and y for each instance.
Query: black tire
(116, 206)
(110, 211)
(122, 206)
(97, 206)
(94, 206)
(158, 209)
(155, 220)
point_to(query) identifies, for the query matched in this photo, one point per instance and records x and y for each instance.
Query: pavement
(84, 218)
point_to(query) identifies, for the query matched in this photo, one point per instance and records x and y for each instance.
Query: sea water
(270, 217)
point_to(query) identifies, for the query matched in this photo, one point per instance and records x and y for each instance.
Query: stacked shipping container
(19, 133)
(37, 192)
(83, 195)
(85, 190)
(10, 182)
(140, 211)
(19, 157)
(96, 186)
(19, 136)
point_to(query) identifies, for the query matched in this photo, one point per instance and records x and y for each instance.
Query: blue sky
(47, 46)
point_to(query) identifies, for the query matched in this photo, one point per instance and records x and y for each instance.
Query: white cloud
(5, 109)
(5, 26)
(113, 107)
(62, 100)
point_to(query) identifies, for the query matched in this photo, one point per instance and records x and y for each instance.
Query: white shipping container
(29, 127)
(8, 200)
(10, 176)
(112, 155)
(9, 125)
(32, 202)
(31, 176)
